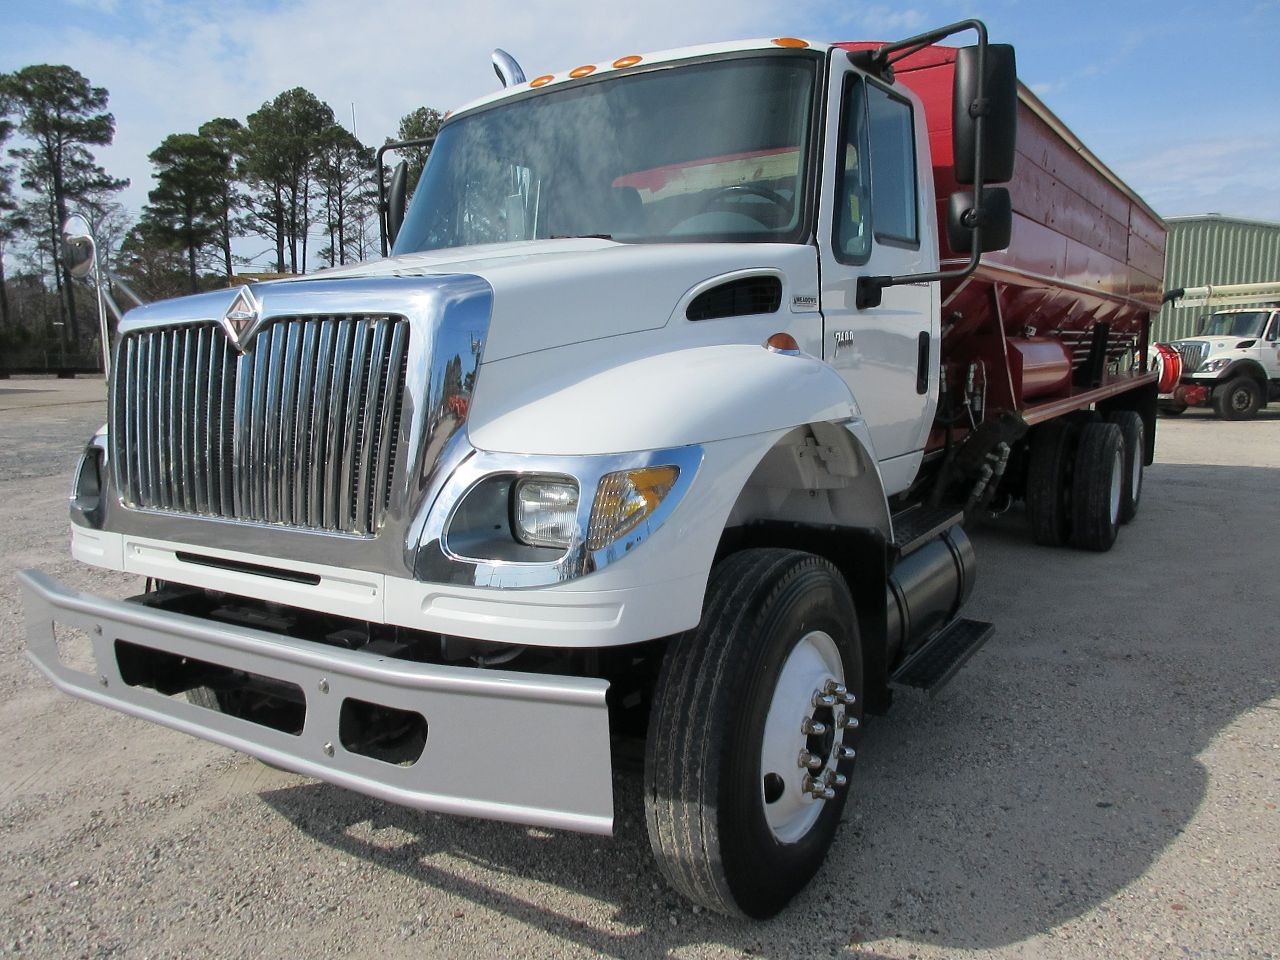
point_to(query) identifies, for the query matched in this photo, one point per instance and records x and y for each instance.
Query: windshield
(716, 150)
(1247, 324)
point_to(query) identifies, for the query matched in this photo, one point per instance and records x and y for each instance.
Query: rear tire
(1098, 487)
(1134, 432)
(1048, 483)
(1238, 400)
(730, 821)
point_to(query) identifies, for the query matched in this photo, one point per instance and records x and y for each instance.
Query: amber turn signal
(783, 343)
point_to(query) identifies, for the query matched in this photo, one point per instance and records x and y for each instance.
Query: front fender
(584, 400)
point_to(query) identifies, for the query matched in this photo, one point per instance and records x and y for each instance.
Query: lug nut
(813, 728)
(837, 780)
(845, 753)
(823, 699)
(837, 690)
(847, 698)
(811, 760)
(818, 789)
(851, 722)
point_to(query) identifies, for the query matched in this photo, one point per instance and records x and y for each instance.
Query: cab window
(852, 220)
(893, 167)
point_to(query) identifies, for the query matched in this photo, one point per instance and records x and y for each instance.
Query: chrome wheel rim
(804, 737)
(1117, 486)
(1135, 478)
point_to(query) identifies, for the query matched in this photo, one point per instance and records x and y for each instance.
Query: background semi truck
(654, 437)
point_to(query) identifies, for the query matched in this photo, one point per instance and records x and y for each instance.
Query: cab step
(915, 527)
(930, 667)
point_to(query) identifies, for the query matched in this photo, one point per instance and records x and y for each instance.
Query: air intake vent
(737, 298)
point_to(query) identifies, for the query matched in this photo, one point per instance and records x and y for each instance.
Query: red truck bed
(1086, 250)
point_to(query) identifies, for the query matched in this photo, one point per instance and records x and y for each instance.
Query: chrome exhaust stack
(508, 71)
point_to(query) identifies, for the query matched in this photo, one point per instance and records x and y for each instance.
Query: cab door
(1271, 347)
(876, 219)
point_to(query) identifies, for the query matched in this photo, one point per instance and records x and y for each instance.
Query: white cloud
(1201, 173)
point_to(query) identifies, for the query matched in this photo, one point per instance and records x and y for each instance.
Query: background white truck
(1233, 362)
(658, 428)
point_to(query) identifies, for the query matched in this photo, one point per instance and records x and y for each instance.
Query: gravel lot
(1101, 780)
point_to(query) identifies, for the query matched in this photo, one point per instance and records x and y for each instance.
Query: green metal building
(1209, 249)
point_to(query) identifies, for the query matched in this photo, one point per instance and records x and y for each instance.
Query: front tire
(747, 763)
(1238, 400)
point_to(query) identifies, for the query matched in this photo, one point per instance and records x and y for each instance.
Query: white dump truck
(653, 436)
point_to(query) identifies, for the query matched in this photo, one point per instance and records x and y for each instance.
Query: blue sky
(1181, 99)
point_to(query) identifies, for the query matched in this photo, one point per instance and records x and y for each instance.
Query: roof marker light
(791, 42)
(582, 71)
(542, 81)
(630, 61)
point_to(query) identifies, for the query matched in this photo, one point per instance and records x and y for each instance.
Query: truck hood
(552, 293)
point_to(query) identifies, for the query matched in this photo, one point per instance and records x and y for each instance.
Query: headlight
(624, 500)
(1213, 366)
(544, 511)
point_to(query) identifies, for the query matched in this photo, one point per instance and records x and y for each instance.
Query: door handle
(922, 364)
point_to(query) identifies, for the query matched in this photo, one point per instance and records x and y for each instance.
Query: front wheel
(753, 733)
(1238, 400)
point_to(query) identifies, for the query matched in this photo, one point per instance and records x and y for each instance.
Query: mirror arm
(868, 293)
(119, 282)
(427, 142)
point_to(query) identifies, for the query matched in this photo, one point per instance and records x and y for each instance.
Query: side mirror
(396, 201)
(996, 95)
(1201, 324)
(77, 247)
(995, 218)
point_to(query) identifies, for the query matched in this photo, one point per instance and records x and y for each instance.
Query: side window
(1274, 333)
(852, 240)
(893, 167)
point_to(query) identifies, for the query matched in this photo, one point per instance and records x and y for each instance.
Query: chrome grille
(1193, 354)
(302, 429)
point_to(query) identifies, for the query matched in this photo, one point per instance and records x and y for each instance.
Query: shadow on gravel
(1049, 776)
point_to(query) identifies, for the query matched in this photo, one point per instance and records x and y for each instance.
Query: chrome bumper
(509, 746)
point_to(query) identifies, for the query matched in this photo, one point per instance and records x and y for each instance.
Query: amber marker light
(541, 81)
(791, 42)
(630, 61)
(624, 500)
(783, 343)
(582, 71)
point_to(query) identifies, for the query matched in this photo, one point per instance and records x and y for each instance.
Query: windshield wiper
(581, 236)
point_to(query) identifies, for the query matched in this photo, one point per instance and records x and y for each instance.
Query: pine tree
(61, 115)
(184, 205)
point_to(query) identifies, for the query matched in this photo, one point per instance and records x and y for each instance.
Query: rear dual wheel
(753, 731)
(1048, 492)
(1134, 432)
(1080, 486)
(1098, 486)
